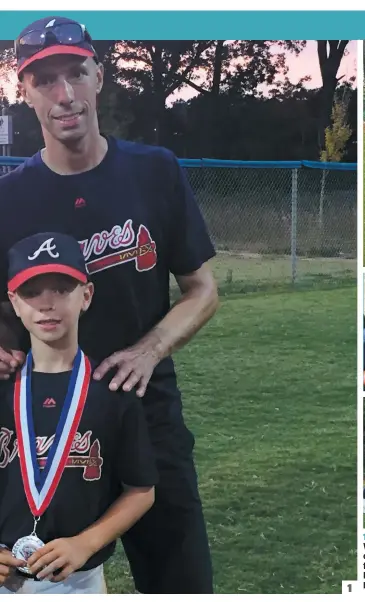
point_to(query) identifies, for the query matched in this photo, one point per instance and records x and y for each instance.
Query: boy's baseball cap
(49, 36)
(45, 253)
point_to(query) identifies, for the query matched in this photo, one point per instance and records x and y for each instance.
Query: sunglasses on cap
(35, 42)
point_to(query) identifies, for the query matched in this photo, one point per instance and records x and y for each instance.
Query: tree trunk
(329, 63)
(158, 93)
(217, 74)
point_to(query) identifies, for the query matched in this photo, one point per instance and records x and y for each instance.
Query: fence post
(294, 223)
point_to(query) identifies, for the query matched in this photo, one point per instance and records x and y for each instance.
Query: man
(134, 215)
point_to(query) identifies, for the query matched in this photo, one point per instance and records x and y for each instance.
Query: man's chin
(65, 134)
(71, 135)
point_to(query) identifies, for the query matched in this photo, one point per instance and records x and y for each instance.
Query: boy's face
(50, 305)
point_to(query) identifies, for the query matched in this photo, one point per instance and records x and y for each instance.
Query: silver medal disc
(24, 548)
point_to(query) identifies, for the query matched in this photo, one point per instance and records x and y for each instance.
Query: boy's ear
(13, 300)
(88, 293)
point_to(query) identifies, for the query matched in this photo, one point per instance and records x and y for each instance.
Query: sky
(306, 63)
(299, 66)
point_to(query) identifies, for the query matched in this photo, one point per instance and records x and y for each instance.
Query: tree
(158, 68)
(245, 108)
(7, 66)
(28, 137)
(330, 54)
(337, 135)
(114, 103)
(141, 75)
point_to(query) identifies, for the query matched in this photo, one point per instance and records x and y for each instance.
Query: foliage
(337, 134)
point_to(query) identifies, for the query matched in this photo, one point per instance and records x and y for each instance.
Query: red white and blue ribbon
(40, 484)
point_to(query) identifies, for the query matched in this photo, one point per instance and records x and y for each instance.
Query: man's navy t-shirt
(137, 221)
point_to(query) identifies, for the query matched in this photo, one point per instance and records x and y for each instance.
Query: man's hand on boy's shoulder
(132, 368)
(65, 556)
(7, 563)
(10, 361)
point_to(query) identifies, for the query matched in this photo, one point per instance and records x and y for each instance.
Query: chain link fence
(275, 224)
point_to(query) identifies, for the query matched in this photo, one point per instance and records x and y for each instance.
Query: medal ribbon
(40, 485)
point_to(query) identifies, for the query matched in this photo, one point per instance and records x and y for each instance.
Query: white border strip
(360, 306)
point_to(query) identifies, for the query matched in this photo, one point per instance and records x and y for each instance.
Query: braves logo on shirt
(83, 454)
(140, 248)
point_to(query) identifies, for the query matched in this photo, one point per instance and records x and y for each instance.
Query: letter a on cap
(45, 246)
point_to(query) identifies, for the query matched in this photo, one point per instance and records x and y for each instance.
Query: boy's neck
(54, 357)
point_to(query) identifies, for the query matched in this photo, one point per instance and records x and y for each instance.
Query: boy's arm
(71, 553)
(118, 519)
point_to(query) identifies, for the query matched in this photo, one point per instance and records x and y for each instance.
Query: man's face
(62, 90)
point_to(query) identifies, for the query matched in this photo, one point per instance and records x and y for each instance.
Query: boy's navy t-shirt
(137, 221)
(110, 449)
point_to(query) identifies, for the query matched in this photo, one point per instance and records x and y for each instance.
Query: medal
(41, 485)
(26, 546)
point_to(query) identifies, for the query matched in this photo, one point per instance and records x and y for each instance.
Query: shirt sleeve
(190, 244)
(137, 466)
(3, 277)
(12, 332)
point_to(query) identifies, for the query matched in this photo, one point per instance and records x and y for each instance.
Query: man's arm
(189, 249)
(7, 564)
(11, 329)
(10, 335)
(197, 304)
(71, 553)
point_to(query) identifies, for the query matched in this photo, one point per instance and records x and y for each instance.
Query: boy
(76, 468)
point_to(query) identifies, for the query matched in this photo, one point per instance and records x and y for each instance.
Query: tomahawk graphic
(91, 464)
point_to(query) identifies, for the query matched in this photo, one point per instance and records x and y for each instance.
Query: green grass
(249, 273)
(242, 273)
(270, 392)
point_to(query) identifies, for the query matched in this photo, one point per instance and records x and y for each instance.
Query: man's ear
(22, 90)
(13, 300)
(99, 78)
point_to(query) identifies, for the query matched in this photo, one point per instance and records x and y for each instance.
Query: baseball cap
(45, 253)
(50, 36)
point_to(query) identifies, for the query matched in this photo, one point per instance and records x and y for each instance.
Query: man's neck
(83, 155)
(56, 357)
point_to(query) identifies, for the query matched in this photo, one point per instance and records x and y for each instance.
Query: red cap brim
(52, 268)
(52, 50)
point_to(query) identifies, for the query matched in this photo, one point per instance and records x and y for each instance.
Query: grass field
(244, 273)
(270, 392)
